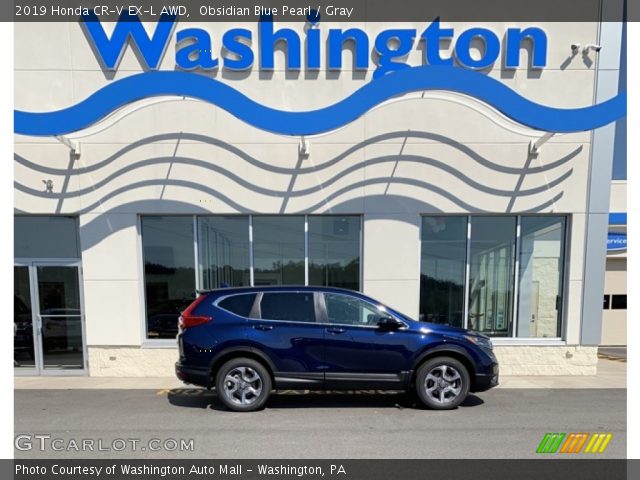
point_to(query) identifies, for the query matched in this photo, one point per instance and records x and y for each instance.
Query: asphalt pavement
(500, 423)
(613, 353)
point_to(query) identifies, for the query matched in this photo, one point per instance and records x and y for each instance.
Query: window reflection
(223, 251)
(541, 265)
(334, 251)
(169, 273)
(278, 250)
(23, 347)
(45, 236)
(492, 260)
(442, 270)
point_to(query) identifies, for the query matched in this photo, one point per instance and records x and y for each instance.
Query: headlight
(480, 341)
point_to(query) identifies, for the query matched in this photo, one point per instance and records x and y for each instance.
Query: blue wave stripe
(469, 82)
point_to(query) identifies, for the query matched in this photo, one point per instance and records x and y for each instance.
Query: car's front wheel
(442, 383)
(243, 384)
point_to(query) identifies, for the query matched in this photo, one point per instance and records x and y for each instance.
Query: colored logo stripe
(550, 443)
(574, 442)
(598, 443)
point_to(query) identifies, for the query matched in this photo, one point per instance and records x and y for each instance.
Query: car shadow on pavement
(207, 399)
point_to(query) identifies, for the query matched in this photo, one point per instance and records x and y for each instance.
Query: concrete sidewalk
(611, 374)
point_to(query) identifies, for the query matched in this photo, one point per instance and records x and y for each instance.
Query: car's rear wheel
(442, 383)
(243, 384)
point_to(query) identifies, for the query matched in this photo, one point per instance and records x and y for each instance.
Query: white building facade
(436, 203)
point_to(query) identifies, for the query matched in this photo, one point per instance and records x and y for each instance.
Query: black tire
(243, 394)
(447, 394)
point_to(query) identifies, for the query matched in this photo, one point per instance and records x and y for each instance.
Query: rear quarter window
(238, 304)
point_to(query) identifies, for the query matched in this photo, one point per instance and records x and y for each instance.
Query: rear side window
(294, 307)
(239, 304)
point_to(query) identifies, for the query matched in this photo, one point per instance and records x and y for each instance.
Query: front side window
(345, 310)
(288, 306)
(169, 273)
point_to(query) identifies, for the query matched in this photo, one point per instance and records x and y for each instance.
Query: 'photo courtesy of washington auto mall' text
(353, 240)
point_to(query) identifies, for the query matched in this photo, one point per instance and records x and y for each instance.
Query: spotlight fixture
(591, 46)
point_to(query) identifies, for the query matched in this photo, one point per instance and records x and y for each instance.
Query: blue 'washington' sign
(392, 76)
(195, 48)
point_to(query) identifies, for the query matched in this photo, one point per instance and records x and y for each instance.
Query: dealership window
(238, 250)
(278, 250)
(442, 269)
(491, 284)
(507, 265)
(50, 236)
(618, 302)
(334, 251)
(223, 251)
(541, 263)
(169, 273)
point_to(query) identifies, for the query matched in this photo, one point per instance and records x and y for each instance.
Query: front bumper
(485, 381)
(199, 376)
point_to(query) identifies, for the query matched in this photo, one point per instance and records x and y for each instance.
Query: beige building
(433, 202)
(614, 316)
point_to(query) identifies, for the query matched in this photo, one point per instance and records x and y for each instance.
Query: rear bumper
(485, 381)
(199, 376)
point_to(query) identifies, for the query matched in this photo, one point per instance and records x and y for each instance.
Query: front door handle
(335, 330)
(264, 328)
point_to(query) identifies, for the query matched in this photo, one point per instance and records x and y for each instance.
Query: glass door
(48, 305)
(24, 352)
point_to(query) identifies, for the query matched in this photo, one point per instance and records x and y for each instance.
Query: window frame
(359, 240)
(170, 343)
(305, 242)
(564, 280)
(198, 247)
(76, 220)
(146, 340)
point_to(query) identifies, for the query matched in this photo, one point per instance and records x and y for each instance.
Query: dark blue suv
(247, 341)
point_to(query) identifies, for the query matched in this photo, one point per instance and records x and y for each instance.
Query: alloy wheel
(242, 385)
(443, 384)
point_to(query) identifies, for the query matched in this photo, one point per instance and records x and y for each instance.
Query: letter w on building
(109, 50)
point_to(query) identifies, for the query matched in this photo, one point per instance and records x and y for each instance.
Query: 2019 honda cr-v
(246, 342)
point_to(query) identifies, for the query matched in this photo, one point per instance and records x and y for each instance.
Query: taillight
(188, 320)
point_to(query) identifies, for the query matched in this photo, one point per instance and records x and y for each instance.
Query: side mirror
(389, 323)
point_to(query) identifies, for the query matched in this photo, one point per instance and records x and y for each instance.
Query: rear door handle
(335, 330)
(264, 328)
